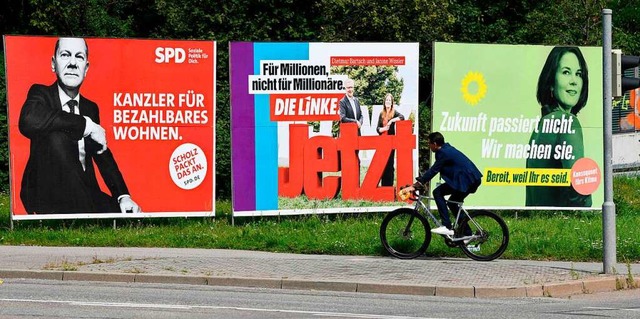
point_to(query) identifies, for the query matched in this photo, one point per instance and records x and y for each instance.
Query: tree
(105, 18)
(373, 82)
(563, 23)
(550, 22)
(626, 31)
(489, 21)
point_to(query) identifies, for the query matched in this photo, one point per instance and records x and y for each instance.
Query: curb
(555, 290)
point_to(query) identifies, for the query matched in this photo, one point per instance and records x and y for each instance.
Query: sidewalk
(422, 276)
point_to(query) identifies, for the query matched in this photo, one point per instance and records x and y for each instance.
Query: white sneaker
(473, 248)
(442, 231)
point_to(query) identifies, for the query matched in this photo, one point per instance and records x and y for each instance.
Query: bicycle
(481, 235)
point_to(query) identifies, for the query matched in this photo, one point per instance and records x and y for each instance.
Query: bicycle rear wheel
(405, 233)
(492, 232)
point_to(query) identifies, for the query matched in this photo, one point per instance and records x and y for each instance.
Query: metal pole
(608, 207)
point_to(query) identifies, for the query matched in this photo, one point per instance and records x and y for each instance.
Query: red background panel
(125, 66)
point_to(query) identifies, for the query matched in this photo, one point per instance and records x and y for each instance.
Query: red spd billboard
(110, 128)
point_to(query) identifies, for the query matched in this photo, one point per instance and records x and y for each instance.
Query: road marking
(182, 307)
(609, 308)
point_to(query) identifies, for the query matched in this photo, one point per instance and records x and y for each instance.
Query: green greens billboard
(530, 118)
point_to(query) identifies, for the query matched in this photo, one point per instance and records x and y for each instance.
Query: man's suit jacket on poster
(346, 111)
(54, 180)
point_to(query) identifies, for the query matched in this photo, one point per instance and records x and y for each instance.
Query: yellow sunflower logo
(473, 88)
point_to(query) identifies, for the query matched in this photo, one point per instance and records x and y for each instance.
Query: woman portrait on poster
(563, 90)
(386, 125)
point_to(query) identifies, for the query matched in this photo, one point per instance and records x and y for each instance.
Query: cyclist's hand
(406, 192)
(418, 186)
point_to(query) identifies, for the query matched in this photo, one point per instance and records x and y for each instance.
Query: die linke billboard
(530, 118)
(110, 128)
(309, 131)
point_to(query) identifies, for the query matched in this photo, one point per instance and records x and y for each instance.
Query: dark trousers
(387, 174)
(439, 193)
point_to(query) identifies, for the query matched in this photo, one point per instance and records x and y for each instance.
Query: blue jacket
(455, 168)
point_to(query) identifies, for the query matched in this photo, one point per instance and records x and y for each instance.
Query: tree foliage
(547, 22)
(373, 82)
(105, 18)
(580, 22)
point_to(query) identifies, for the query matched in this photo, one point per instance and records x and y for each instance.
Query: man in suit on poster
(350, 111)
(66, 139)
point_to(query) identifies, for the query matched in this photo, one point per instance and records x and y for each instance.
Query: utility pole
(608, 207)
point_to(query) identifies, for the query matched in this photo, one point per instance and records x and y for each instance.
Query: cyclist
(461, 177)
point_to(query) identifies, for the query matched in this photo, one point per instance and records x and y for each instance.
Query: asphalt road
(28, 298)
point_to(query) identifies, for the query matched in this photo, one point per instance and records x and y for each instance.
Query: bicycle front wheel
(492, 235)
(405, 233)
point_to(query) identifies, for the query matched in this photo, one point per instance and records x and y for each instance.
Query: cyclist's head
(436, 138)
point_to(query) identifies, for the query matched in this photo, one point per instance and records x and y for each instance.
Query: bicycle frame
(424, 209)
